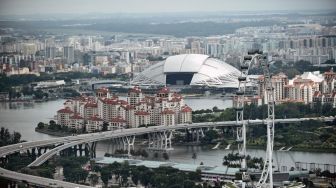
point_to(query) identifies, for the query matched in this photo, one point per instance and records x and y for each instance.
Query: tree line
(285, 110)
(125, 175)
(7, 138)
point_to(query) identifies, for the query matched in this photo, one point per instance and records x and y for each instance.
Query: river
(23, 118)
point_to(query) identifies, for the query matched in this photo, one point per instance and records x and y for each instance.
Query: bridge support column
(87, 150)
(33, 153)
(124, 143)
(160, 141)
(39, 152)
(168, 143)
(93, 150)
(129, 142)
(119, 143)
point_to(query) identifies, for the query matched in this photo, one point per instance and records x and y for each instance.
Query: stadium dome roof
(190, 69)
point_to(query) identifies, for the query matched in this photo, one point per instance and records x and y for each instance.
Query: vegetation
(160, 177)
(57, 129)
(7, 83)
(46, 170)
(72, 168)
(70, 93)
(7, 138)
(209, 136)
(308, 135)
(285, 110)
(234, 160)
(17, 162)
(139, 152)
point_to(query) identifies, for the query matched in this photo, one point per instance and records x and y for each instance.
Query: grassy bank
(53, 132)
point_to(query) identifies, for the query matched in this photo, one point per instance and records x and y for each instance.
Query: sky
(25, 7)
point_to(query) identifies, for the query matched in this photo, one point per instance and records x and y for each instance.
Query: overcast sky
(21, 7)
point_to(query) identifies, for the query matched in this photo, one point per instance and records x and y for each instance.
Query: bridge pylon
(128, 143)
(160, 141)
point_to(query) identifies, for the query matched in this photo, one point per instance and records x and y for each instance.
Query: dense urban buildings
(90, 113)
(308, 88)
(312, 41)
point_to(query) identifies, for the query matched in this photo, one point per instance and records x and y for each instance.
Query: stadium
(189, 70)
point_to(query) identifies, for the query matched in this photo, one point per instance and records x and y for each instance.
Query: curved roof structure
(190, 69)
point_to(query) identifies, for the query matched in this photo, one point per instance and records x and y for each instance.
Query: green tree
(124, 172)
(93, 179)
(209, 136)
(16, 137)
(105, 173)
(40, 125)
(135, 175)
(52, 123)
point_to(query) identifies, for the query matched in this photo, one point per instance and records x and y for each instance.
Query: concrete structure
(190, 69)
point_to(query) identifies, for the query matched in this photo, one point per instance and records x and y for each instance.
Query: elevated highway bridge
(60, 144)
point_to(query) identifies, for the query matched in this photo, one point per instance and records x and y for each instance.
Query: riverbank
(52, 132)
(293, 148)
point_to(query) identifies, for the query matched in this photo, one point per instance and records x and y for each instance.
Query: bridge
(160, 135)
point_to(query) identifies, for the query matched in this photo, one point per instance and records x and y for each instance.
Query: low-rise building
(324, 98)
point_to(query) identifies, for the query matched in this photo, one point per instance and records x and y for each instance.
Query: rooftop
(65, 111)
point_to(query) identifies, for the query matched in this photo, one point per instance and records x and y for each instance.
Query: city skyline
(196, 94)
(42, 7)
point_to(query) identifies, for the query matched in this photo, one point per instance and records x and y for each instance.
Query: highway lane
(39, 181)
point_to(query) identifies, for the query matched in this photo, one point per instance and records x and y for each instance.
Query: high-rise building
(87, 59)
(50, 52)
(69, 54)
(278, 83)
